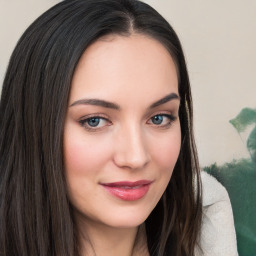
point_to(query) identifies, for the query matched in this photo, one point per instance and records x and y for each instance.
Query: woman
(97, 148)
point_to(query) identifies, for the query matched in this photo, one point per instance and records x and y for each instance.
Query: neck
(100, 240)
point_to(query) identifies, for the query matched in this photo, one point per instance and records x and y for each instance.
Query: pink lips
(128, 191)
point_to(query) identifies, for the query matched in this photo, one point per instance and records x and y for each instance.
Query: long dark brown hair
(35, 213)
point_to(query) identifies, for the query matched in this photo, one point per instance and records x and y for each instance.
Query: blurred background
(219, 41)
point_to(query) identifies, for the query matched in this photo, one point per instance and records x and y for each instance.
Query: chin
(127, 219)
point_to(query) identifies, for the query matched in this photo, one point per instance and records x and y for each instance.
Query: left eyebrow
(96, 102)
(167, 98)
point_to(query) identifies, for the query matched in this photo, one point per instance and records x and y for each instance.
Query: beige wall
(15, 17)
(219, 40)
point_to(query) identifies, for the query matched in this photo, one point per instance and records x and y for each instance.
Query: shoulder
(218, 237)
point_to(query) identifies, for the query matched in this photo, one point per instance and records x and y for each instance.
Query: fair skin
(121, 126)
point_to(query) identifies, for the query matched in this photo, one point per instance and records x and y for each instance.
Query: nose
(131, 149)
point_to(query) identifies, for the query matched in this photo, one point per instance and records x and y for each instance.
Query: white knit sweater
(218, 237)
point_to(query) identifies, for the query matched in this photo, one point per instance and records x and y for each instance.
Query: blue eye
(93, 123)
(158, 119)
(162, 120)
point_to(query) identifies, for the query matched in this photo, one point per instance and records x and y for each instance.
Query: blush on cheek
(85, 156)
(73, 159)
(167, 152)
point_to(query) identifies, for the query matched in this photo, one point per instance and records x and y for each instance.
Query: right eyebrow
(96, 102)
(164, 100)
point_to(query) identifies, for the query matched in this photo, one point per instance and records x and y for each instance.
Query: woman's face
(122, 131)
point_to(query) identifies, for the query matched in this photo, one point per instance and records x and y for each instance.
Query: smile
(128, 191)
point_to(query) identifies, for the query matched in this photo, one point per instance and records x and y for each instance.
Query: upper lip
(127, 183)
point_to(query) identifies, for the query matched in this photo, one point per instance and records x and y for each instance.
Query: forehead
(116, 65)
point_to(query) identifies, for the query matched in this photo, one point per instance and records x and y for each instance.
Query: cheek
(166, 151)
(83, 155)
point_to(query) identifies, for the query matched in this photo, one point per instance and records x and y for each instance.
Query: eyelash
(84, 122)
(171, 119)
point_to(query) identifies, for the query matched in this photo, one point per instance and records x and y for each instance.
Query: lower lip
(128, 194)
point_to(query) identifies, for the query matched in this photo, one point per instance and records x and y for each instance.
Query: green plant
(245, 118)
(239, 178)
